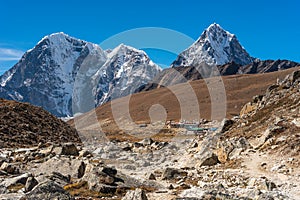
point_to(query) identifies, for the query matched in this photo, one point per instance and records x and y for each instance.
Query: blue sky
(267, 29)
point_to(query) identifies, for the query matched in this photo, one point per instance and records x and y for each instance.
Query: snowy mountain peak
(62, 71)
(214, 26)
(217, 29)
(54, 36)
(58, 34)
(129, 68)
(215, 46)
(130, 56)
(124, 49)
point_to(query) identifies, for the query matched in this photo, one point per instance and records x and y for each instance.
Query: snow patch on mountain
(6, 77)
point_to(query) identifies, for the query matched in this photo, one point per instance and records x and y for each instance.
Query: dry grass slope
(239, 90)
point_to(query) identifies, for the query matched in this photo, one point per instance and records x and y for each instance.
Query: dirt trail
(260, 165)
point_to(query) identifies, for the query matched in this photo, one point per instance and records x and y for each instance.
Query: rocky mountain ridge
(177, 75)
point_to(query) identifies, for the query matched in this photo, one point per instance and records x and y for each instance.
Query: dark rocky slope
(24, 125)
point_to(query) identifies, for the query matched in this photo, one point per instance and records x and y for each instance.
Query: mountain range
(65, 75)
(48, 74)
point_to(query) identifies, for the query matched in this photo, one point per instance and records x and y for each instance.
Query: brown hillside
(239, 90)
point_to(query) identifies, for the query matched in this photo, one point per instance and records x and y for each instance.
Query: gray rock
(159, 145)
(81, 170)
(56, 150)
(146, 142)
(206, 155)
(69, 149)
(254, 194)
(294, 76)
(109, 171)
(269, 133)
(171, 173)
(101, 179)
(215, 194)
(266, 184)
(231, 148)
(16, 180)
(63, 165)
(208, 159)
(137, 194)
(3, 189)
(257, 98)
(85, 153)
(130, 167)
(225, 125)
(151, 176)
(48, 191)
(143, 125)
(271, 88)
(30, 184)
(60, 178)
(137, 145)
(46, 151)
(12, 196)
(3, 173)
(9, 168)
(106, 189)
(262, 184)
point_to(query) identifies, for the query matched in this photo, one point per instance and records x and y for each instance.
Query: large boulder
(75, 168)
(205, 155)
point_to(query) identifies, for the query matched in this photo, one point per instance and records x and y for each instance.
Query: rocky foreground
(254, 156)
